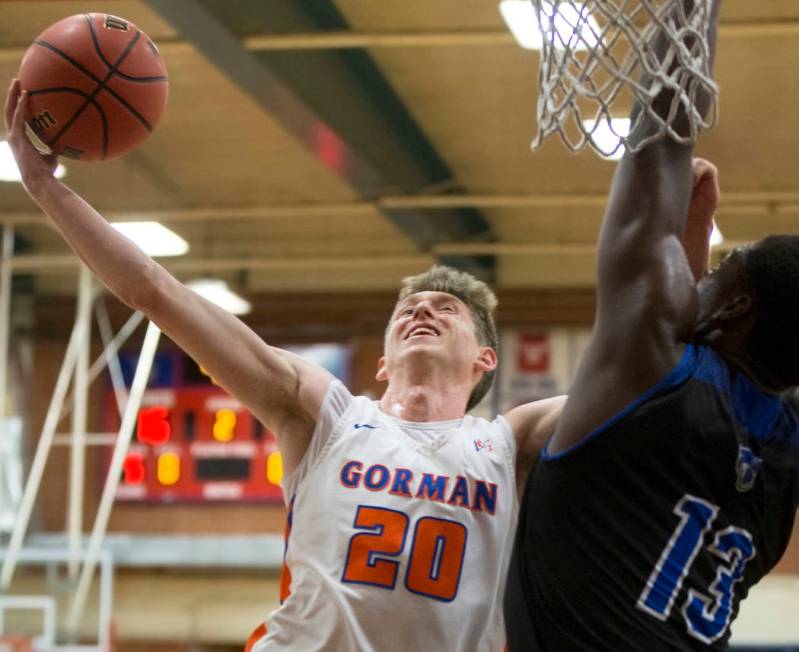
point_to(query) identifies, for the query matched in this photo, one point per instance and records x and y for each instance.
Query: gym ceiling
(329, 145)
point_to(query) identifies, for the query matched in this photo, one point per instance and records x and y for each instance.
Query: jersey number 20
(434, 563)
(706, 616)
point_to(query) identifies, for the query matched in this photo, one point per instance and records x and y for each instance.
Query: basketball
(97, 87)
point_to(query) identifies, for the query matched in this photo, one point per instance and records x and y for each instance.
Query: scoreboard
(193, 442)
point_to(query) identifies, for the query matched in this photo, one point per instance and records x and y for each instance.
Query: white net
(594, 55)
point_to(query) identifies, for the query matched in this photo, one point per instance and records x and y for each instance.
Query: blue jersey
(649, 533)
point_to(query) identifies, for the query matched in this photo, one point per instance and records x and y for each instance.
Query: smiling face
(431, 327)
(430, 317)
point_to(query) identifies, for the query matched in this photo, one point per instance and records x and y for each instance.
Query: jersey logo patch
(483, 444)
(746, 469)
(358, 426)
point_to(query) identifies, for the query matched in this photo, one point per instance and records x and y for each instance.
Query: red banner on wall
(533, 353)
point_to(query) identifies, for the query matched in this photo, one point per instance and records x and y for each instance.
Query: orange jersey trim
(257, 634)
(285, 571)
(285, 584)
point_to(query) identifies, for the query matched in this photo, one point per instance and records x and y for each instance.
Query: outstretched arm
(282, 390)
(534, 423)
(646, 296)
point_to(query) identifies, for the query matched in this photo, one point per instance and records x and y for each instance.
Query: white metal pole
(106, 600)
(114, 472)
(6, 253)
(80, 387)
(110, 351)
(40, 458)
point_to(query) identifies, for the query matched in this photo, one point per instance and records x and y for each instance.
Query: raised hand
(701, 209)
(705, 192)
(32, 165)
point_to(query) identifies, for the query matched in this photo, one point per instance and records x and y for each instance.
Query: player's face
(431, 323)
(721, 284)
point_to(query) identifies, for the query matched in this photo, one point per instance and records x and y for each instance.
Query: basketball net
(595, 53)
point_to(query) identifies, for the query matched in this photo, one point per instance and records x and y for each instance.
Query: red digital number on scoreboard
(197, 444)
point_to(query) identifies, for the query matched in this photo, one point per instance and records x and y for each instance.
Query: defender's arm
(646, 297)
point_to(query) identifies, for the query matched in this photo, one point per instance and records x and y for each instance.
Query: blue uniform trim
(765, 417)
(755, 411)
(678, 375)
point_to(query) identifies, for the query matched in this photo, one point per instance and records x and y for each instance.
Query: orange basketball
(97, 86)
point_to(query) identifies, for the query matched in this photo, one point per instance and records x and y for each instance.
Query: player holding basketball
(670, 485)
(399, 509)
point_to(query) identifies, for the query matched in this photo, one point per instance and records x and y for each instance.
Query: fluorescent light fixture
(521, 17)
(607, 136)
(153, 238)
(716, 238)
(8, 166)
(217, 291)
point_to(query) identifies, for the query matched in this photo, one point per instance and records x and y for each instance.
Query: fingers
(52, 162)
(21, 110)
(11, 102)
(702, 169)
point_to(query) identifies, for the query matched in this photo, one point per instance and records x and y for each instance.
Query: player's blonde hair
(477, 296)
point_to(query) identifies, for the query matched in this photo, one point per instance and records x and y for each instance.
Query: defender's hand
(32, 166)
(705, 194)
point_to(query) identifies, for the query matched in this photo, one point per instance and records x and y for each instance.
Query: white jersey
(400, 534)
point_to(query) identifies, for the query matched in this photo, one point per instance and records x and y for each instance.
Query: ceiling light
(607, 136)
(573, 25)
(218, 292)
(8, 166)
(153, 238)
(716, 238)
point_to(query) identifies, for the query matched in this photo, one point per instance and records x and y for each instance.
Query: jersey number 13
(707, 616)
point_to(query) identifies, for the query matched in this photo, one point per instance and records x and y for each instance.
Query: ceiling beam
(337, 40)
(535, 249)
(344, 40)
(55, 263)
(732, 203)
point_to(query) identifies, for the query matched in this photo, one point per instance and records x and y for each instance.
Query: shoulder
(535, 419)
(532, 424)
(343, 410)
(602, 395)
